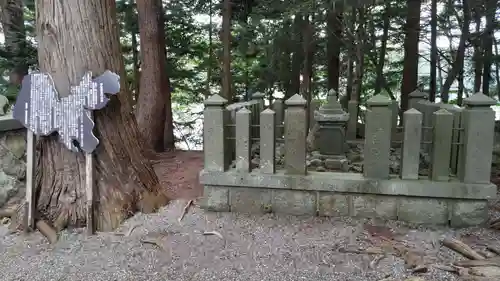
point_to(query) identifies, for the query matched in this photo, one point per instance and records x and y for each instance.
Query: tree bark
(410, 65)
(360, 58)
(75, 36)
(458, 64)
(334, 28)
(12, 19)
(491, 6)
(298, 54)
(383, 48)
(434, 52)
(226, 45)
(477, 56)
(153, 98)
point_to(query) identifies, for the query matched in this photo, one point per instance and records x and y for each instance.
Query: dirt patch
(178, 173)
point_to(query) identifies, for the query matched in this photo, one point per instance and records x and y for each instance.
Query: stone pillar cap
(215, 100)
(296, 100)
(418, 94)
(379, 100)
(331, 111)
(258, 95)
(479, 99)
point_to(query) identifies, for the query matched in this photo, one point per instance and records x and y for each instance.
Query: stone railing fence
(456, 190)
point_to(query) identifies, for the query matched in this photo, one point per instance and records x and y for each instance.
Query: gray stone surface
(469, 212)
(415, 97)
(369, 206)
(243, 140)
(412, 135)
(216, 198)
(456, 135)
(350, 183)
(441, 145)
(267, 141)
(250, 200)
(352, 124)
(279, 109)
(333, 204)
(12, 165)
(214, 134)
(378, 138)
(294, 202)
(424, 211)
(394, 115)
(295, 135)
(478, 120)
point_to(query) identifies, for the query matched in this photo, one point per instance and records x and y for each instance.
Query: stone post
(441, 145)
(214, 134)
(243, 140)
(267, 141)
(312, 108)
(295, 135)
(478, 121)
(352, 124)
(455, 146)
(330, 141)
(415, 97)
(395, 113)
(410, 153)
(257, 109)
(279, 110)
(378, 137)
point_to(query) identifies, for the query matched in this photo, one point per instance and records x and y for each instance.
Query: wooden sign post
(40, 109)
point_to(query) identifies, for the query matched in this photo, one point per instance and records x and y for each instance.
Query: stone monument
(332, 120)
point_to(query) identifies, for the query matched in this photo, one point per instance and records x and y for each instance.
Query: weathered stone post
(257, 109)
(441, 145)
(415, 97)
(478, 121)
(314, 105)
(455, 147)
(243, 140)
(378, 137)
(267, 141)
(279, 109)
(395, 115)
(410, 153)
(295, 135)
(330, 141)
(352, 124)
(214, 134)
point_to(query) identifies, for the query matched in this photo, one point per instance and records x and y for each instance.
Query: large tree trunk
(298, 54)
(383, 50)
(458, 64)
(12, 19)
(488, 44)
(410, 66)
(152, 100)
(434, 52)
(76, 36)
(226, 57)
(477, 57)
(360, 58)
(334, 31)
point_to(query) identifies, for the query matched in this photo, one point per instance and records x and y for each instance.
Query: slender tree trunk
(491, 6)
(210, 52)
(383, 50)
(168, 131)
(12, 19)
(135, 53)
(298, 54)
(226, 57)
(434, 52)
(458, 64)
(126, 182)
(410, 67)
(334, 31)
(460, 92)
(151, 114)
(477, 56)
(497, 69)
(360, 57)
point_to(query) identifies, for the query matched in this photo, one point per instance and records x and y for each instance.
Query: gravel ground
(269, 247)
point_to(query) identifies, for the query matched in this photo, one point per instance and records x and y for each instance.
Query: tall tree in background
(434, 52)
(490, 10)
(152, 100)
(334, 37)
(127, 182)
(410, 68)
(12, 19)
(226, 52)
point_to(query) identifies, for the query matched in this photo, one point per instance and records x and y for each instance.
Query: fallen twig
(129, 231)
(446, 268)
(487, 271)
(47, 231)
(376, 260)
(155, 242)
(185, 209)
(495, 261)
(214, 233)
(493, 249)
(462, 248)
